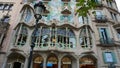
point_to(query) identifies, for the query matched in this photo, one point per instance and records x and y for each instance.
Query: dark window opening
(17, 65)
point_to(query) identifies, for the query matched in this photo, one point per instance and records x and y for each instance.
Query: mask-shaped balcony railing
(100, 18)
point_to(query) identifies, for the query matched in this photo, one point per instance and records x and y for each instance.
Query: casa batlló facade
(63, 39)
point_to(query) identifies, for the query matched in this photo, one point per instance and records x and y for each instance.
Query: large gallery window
(21, 35)
(86, 37)
(60, 37)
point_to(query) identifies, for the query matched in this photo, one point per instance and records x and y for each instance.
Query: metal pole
(33, 44)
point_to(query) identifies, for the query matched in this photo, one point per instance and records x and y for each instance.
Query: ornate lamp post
(39, 7)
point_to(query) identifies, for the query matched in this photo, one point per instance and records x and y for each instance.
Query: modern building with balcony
(63, 39)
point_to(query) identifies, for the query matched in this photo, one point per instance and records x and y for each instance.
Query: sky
(118, 4)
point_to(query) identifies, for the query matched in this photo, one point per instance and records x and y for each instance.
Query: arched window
(26, 15)
(58, 37)
(36, 37)
(52, 61)
(88, 61)
(66, 62)
(45, 36)
(38, 62)
(21, 35)
(71, 38)
(86, 37)
(15, 60)
(66, 38)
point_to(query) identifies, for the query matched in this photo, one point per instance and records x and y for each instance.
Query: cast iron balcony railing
(107, 42)
(100, 18)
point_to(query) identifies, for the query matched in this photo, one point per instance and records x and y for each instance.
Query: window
(109, 3)
(99, 13)
(86, 37)
(5, 19)
(26, 15)
(104, 36)
(6, 6)
(1, 6)
(114, 16)
(21, 35)
(68, 18)
(59, 37)
(103, 32)
(118, 33)
(109, 57)
(2, 37)
(100, 16)
(83, 20)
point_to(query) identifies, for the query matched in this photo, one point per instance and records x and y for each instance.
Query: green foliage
(84, 6)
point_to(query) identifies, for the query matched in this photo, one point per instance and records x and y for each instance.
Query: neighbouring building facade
(63, 39)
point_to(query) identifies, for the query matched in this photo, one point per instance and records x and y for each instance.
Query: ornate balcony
(100, 18)
(50, 46)
(106, 42)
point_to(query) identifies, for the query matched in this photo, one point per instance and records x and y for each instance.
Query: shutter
(108, 36)
(108, 33)
(114, 57)
(100, 35)
(104, 57)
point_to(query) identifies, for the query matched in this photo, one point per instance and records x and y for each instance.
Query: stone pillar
(26, 62)
(78, 64)
(59, 62)
(5, 62)
(44, 62)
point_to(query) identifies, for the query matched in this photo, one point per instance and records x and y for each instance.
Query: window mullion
(21, 40)
(39, 43)
(50, 37)
(56, 36)
(18, 35)
(88, 40)
(66, 37)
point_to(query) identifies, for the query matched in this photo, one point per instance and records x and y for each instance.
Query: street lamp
(39, 7)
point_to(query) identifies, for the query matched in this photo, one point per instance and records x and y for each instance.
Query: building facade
(63, 39)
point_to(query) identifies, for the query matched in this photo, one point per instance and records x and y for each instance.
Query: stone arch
(52, 61)
(38, 61)
(68, 61)
(27, 5)
(88, 61)
(15, 59)
(14, 56)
